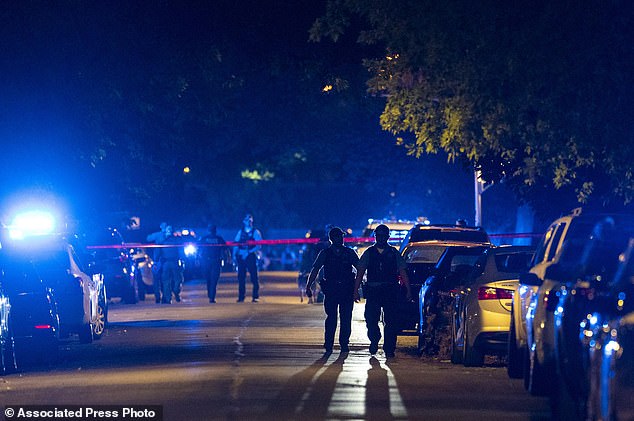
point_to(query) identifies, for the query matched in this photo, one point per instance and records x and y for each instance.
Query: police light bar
(31, 223)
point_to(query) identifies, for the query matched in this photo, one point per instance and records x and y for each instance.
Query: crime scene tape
(232, 243)
(357, 240)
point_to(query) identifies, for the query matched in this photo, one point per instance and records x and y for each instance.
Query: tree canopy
(538, 94)
(110, 102)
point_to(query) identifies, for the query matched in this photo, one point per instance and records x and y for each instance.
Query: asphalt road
(262, 361)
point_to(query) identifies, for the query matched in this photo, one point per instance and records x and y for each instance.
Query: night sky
(103, 104)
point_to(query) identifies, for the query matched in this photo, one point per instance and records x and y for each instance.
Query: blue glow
(32, 223)
(190, 250)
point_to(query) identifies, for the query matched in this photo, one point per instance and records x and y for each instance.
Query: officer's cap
(382, 229)
(335, 233)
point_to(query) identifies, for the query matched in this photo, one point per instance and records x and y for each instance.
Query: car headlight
(190, 250)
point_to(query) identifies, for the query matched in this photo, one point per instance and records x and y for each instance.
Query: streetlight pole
(479, 187)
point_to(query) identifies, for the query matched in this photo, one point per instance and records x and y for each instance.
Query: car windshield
(424, 254)
(396, 235)
(448, 235)
(24, 273)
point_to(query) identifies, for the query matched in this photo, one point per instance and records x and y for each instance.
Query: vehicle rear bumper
(493, 341)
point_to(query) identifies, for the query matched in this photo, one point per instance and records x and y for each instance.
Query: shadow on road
(377, 393)
(307, 394)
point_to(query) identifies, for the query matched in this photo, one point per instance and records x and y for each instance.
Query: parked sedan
(482, 306)
(80, 298)
(444, 232)
(30, 316)
(607, 338)
(596, 261)
(436, 294)
(112, 259)
(568, 232)
(421, 258)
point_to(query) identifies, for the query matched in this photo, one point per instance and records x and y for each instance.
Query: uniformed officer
(383, 264)
(171, 258)
(337, 285)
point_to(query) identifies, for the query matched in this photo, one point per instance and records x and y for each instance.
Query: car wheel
(538, 378)
(526, 370)
(471, 356)
(563, 404)
(85, 333)
(456, 354)
(426, 334)
(99, 327)
(515, 367)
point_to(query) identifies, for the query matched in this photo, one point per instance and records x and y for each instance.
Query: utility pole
(480, 188)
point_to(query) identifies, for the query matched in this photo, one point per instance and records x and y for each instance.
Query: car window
(479, 266)
(20, 276)
(513, 262)
(540, 254)
(460, 261)
(424, 254)
(52, 266)
(554, 244)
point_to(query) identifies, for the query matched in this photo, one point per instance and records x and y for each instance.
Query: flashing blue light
(190, 250)
(31, 223)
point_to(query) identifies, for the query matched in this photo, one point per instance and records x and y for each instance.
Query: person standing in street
(337, 285)
(245, 255)
(171, 258)
(384, 266)
(157, 237)
(214, 252)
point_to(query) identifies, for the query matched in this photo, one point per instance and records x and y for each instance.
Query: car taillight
(42, 326)
(490, 293)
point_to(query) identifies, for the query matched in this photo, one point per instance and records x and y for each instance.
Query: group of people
(380, 272)
(169, 258)
(167, 268)
(343, 276)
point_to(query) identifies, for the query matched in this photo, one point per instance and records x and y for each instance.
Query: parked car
(435, 298)
(111, 258)
(585, 272)
(482, 305)
(607, 337)
(421, 258)
(398, 230)
(80, 298)
(422, 232)
(30, 320)
(540, 296)
(143, 273)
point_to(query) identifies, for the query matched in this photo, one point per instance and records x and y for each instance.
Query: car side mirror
(529, 278)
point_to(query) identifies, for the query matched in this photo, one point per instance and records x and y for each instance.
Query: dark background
(103, 104)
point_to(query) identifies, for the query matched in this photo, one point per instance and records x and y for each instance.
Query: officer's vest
(338, 265)
(244, 237)
(382, 268)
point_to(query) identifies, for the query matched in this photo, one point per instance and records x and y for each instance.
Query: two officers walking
(386, 270)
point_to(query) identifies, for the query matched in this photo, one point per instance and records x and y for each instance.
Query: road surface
(261, 361)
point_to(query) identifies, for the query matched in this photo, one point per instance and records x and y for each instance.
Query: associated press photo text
(81, 413)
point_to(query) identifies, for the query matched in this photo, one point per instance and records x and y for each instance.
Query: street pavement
(262, 361)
